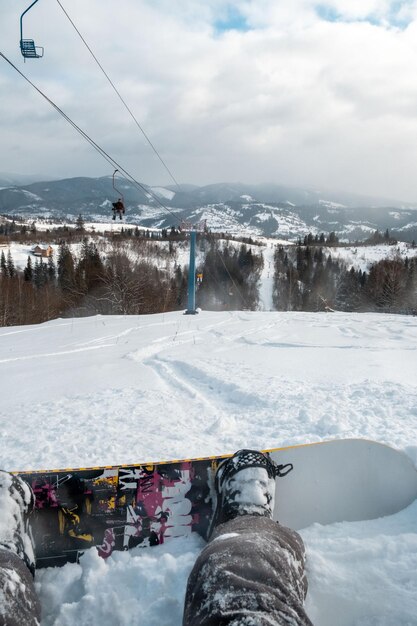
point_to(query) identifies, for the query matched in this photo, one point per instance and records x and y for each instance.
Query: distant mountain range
(10, 179)
(269, 210)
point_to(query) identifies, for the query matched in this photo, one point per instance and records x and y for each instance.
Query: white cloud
(296, 99)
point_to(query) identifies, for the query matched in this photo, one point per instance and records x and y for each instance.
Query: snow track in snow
(146, 388)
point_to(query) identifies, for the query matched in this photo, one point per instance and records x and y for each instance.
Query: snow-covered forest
(137, 271)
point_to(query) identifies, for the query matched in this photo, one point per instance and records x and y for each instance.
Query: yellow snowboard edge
(202, 458)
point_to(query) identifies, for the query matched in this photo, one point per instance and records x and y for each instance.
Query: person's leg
(19, 605)
(252, 570)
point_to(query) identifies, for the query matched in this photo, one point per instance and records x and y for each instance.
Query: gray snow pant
(251, 573)
(19, 604)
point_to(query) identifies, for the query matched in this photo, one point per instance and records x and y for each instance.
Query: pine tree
(28, 272)
(332, 239)
(51, 269)
(3, 265)
(80, 223)
(38, 273)
(66, 272)
(90, 269)
(10, 265)
(348, 292)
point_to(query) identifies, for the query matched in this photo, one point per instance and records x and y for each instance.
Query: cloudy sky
(287, 91)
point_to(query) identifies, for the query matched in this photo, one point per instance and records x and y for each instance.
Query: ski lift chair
(29, 50)
(27, 46)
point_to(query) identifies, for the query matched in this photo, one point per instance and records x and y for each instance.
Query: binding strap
(283, 470)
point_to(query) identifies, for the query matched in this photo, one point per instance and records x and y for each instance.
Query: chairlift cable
(106, 156)
(99, 149)
(120, 97)
(95, 145)
(231, 278)
(216, 280)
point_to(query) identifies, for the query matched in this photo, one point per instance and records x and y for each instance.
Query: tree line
(139, 275)
(230, 277)
(86, 284)
(306, 279)
(140, 278)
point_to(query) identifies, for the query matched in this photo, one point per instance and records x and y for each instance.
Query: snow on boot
(244, 485)
(251, 571)
(16, 504)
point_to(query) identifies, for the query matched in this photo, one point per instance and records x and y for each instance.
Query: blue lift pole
(191, 275)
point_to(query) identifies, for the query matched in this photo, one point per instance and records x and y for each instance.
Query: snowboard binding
(245, 485)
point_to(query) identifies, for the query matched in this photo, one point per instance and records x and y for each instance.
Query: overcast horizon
(297, 93)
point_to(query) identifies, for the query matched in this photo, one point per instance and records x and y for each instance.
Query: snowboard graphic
(121, 507)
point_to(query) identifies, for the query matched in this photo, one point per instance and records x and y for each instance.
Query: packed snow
(108, 390)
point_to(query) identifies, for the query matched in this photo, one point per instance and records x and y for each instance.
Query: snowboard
(125, 506)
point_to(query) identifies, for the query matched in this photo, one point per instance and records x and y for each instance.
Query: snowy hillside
(362, 257)
(106, 390)
(359, 257)
(267, 210)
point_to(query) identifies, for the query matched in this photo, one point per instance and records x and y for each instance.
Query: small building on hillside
(43, 252)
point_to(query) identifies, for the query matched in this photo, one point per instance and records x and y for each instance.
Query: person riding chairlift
(118, 207)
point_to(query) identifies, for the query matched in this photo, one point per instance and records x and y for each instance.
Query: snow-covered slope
(268, 210)
(362, 257)
(359, 257)
(128, 389)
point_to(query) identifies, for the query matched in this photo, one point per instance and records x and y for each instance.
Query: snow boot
(244, 485)
(16, 504)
